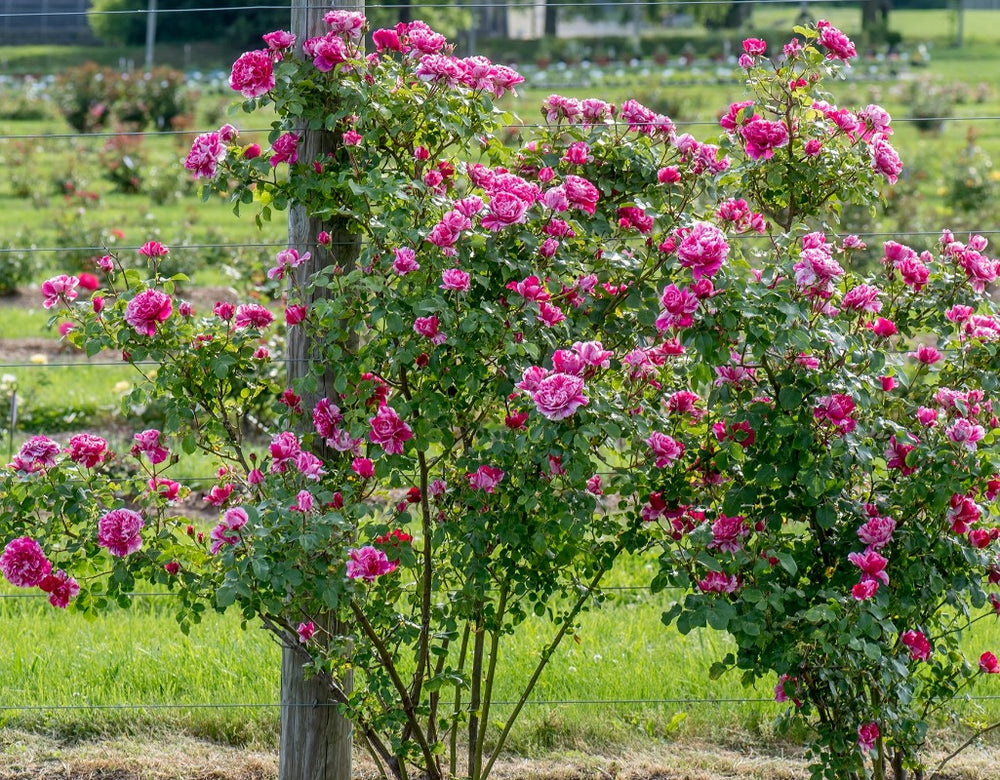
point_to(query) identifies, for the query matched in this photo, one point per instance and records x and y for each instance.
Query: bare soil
(33, 757)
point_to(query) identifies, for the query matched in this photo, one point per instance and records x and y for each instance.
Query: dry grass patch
(25, 756)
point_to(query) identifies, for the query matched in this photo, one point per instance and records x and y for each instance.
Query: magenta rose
(253, 74)
(119, 530)
(389, 431)
(147, 309)
(367, 563)
(206, 153)
(285, 149)
(559, 395)
(23, 563)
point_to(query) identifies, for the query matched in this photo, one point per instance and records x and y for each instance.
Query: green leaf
(789, 397)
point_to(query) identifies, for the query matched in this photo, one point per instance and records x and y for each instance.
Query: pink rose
(253, 74)
(666, 449)
(146, 310)
(988, 663)
(285, 149)
(485, 478)
(559, 395)
(252, 315)
(868, 734)
(59, 288)
(23, 563)
(704, 249)
(917, 644)
(206, 153)
(119, 530)
(389, 431)
(61, 588)
(88, 450)
(367, 563)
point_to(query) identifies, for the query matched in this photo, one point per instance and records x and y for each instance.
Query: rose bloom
(917, 644)
(666, 449)
(147, 309)
(23, 563)
(252, 315)
(306, 631)
(485, 478)
(148, 443)
(367, 563)
(389, 431)
(119, 530)
(988, 663)
(37, 454)
(59, 287)
(455, 279)
(61, 588)
(253, 74)
(763, 137)
(559, 395)
(868, 733)
(206, 153)
(703, 250)
(87, 449)
(285, 149)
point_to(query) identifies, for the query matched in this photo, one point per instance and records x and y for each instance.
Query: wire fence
(636, 703)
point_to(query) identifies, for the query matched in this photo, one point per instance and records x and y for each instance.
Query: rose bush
(613, 338)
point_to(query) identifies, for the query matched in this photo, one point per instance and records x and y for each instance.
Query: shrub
(520, 363)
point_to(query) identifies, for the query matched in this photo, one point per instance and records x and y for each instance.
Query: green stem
(490, 678)
(462, 655)
(543, 662)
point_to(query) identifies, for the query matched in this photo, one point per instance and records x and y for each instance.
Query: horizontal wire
(171, 247)
(120, 134)
(502, 702)
(528, 4)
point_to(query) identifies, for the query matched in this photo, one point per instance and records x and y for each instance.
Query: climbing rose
(37, 454)
(455, 279)
(559, 395)
(60, 587)
(87, 449)
(868, 733)
(485, 478)
(916, 642)
(703, 250)
(148, 443)
(988, 663)
(389, 431)
(59, 287)
(253, 74)
(306, 631)
(763, 137)
(285, 149)
(836, 409)
(23, 563)
(719, 582)
(840, 47)
(147, 309)
(666, 449)
(252, 315)
(368, 562)
(119, 530)
(206, 153)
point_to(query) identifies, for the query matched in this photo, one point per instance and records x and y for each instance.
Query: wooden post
(315, 740)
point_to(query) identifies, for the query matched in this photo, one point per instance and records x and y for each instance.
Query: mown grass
(622, 679)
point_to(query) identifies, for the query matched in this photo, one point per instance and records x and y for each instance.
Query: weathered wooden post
(315, 739)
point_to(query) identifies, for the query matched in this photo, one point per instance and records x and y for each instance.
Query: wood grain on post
(315, 740)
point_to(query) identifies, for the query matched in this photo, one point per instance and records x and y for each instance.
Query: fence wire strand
(458, 6)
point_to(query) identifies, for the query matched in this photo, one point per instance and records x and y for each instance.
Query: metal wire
(380, 6)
